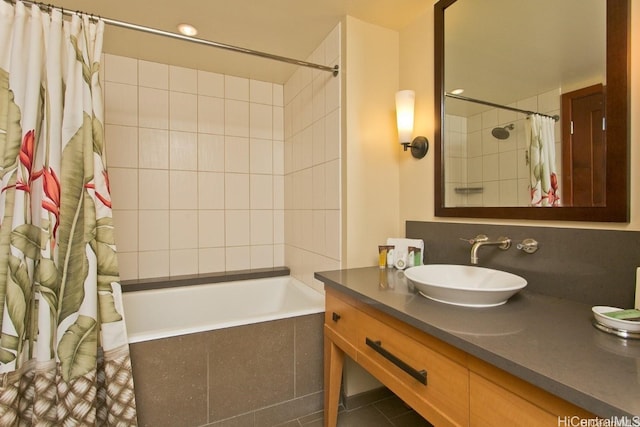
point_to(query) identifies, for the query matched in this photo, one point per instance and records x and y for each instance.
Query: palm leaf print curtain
(543, 180)
(64, 356)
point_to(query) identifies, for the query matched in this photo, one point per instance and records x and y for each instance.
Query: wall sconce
(405, 100)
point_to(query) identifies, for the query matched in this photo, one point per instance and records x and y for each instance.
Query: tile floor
(388, 412)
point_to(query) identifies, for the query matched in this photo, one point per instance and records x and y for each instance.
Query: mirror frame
(617, 116)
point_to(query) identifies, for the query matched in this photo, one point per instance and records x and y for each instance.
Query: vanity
(536, 360)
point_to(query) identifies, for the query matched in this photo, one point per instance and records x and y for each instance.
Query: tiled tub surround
(213, 173)
(247, 371)
(596, 267)
(196, 168)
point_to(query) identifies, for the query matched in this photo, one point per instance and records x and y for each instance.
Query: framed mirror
(520, 64)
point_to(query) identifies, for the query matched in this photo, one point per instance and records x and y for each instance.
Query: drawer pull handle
(418, 375)
(335, 316)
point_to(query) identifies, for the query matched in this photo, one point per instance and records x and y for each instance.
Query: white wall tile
(211, 260)
(332, 185)
(191, 199)
(262, 256)
(153, 108)
(278, 95)
(121, 104)
(491, 167)
(210, 84)
(211, 149)
(509, 166)
(211, 189)
(236, 154)
(278, 227)
(183, 79)
(183, 112)
(278, 157)
(153, 189)
(236, 121)
(332, 135)
(319, 232)
(153, 74)
(278, 123)
(261, 227)
(236, 88)
(211, 228)
(124, 188)
(120, 69)
(126, 230)
(153, 264)
(211, 115)
(236, 191)
(183, 229)
(154, 148)
(183, 190)
(183, 151)
(260, 121)
(332, 236)
(183, 261)
(261, 191)
(128, 265)
(261, 92)
(237, 231)
(238, 258)
(154, 230)
(261, 156)
(122, 146)
(278, 192)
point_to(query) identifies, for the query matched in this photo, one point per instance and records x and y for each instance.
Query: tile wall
(499, 167)
(312, 163)
(196, 168)
(212, 172)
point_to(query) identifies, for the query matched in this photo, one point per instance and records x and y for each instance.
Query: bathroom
(298, 167)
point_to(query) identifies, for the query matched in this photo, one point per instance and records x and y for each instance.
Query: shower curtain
(64, 356)
(543, 183)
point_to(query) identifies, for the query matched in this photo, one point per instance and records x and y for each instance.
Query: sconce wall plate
(419, 147)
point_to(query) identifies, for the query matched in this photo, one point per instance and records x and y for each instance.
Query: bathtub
(169, 312)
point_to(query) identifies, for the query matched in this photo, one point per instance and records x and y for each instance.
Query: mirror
(493, 74)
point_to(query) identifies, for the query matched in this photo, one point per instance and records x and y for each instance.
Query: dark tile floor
(388, 412)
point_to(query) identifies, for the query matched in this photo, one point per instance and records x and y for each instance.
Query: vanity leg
(333, 363)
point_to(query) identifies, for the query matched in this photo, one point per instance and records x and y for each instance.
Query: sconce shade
(405, 101)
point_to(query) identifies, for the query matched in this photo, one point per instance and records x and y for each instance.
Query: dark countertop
(547, 341)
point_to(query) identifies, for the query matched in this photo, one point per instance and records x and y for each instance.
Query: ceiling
(291, 28)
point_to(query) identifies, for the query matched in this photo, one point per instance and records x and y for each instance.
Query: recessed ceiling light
(457, 91)
(187, 29)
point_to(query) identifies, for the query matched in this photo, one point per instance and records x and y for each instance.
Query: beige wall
(371, 197)
(416, 72)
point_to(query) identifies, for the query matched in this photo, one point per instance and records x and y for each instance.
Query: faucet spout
(503, 243)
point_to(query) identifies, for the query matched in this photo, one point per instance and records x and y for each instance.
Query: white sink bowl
(465, 285)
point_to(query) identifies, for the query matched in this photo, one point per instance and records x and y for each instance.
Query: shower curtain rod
(136, 27)
(504, 107)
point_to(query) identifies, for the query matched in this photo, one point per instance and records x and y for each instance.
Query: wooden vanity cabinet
(426, 373)
(445, 385)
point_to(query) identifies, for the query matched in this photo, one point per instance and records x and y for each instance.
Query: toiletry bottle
(390, 255)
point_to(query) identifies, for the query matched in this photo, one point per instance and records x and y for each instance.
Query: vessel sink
(465, 285)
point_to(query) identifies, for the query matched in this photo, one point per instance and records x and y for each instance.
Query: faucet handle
(478, 238)
(528, 245)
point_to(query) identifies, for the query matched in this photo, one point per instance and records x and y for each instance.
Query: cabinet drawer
(435, 386)
(341, 318)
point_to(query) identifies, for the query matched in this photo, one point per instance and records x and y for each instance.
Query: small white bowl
(624, 325)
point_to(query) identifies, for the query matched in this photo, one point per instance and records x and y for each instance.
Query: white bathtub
(162, 313)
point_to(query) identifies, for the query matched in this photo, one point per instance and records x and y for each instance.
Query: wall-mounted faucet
(503, 243)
